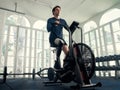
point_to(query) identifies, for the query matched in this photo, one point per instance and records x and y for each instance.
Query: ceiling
(79, 10)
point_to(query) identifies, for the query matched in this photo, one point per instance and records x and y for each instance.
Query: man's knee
(65, 49)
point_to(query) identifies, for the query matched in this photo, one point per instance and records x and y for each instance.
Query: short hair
(55, 8)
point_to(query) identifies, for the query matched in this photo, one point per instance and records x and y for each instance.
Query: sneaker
(57, 65)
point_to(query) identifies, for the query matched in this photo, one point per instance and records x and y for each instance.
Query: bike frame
(72, 52)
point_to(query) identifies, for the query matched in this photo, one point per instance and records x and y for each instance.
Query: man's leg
(63, 44)
(65, 49)
(58, 53)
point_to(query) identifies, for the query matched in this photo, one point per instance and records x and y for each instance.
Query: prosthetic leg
(59, 42)
(57, 64)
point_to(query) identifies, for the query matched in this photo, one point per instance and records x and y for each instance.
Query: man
(55, 26)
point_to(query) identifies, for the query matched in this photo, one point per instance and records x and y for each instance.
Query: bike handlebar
(72, 27)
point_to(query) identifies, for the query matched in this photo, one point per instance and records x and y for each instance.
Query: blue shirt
(56, 31)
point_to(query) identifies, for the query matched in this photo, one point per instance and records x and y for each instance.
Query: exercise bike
(79, 64)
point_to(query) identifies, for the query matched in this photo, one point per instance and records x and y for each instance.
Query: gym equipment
(5, 74)
(79, 64)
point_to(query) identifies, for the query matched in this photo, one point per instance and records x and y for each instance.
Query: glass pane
(20, 52)
(103, 51)
(10, 70)
(33, 34)
(110, 50)
(5, 30)
(102, 41)
(117, 48)
(46, 44)
(107, 34)
(13, 31)
(101, 32)
(117, 36)
(32, 53)
(33, 43)
(92, 35)
(39, 34)
(28, 42)
(10, 61)
(98, 42)
(39, 44)
(32, 63)
(27, 62)
(116, 26)
(86, 37)
(12, 40)
(46, 36)
(40, 24)
(93, 44)
(66, 39)
(95, 52)
(19, 67)
(99, 52)
(97, 34)
(21, 36)
(28, 33)
(27, 52)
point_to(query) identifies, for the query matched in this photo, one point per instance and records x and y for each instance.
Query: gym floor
(37, 84)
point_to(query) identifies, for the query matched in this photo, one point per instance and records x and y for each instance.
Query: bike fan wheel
(86, 57)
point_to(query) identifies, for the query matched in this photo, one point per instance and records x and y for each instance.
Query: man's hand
(57, 22)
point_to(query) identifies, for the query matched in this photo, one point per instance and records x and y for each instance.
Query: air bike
(79, 65)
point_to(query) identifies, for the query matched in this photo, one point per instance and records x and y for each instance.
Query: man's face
(57, 11)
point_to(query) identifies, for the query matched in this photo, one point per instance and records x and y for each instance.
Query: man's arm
(66, 25)
(49, 25)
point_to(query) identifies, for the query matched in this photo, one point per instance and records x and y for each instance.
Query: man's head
(56, 10)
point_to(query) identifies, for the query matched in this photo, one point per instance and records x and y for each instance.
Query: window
(13, 45)
(110, 15)
(90, 36)
(40, 25)
(111, 29)
(18, 20)
(89, 26)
